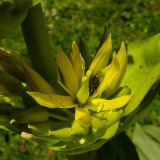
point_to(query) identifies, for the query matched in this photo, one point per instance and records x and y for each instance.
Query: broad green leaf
(145, 143)
(149, 85)
(106, 152)
(153, 131)
(143, 56)
(12, 14)
(120, 146)
(141, 155)
(45, 141)
(142, 76)
(142, 99)
(79, 146)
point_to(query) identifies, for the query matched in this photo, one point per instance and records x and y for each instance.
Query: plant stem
(58, 117)
(39, 47)
(83, 156)
(67, 112)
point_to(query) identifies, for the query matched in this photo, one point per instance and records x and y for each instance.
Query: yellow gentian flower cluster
(84, 90)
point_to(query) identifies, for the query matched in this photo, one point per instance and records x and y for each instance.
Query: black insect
(94, 82)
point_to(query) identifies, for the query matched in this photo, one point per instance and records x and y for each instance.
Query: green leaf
(39, 129)
(103, 38)
(62, 134)
(142, 76)
(143, 56)
(142, 99)
(9, 84)
(145, 143)
(106, 152)
(83, 48)
(30, 115)
(111, 131)
(78, 130)
(12, 14)
(119, 146)
(153, 131)
(45, 141)
(149, 85)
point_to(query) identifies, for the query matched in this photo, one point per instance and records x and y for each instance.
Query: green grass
(13, 147)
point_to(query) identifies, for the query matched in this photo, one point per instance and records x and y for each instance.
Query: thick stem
(58, 117)
(83, 156)
(39, 47)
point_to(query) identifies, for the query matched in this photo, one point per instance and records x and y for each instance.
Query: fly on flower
(94, 82)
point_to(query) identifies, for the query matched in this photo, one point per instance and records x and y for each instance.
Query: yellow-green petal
(62, 85)
(77, 129)
(98, 121)
(53, 101)
(104, 105)
(83, 93)
(122, 59)
(82, 115)
(109, 74)
(62, 134)
(35, 81)
(113, 116)
(106, 118)
(69, 76)
(111, 131)
(101, 59)
(77, 62)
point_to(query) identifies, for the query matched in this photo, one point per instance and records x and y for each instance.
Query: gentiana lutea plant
(86, 103)
(86, 113)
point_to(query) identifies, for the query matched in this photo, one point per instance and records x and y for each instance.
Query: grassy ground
(13, 147)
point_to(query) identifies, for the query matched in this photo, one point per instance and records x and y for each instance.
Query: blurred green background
(66, 21)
